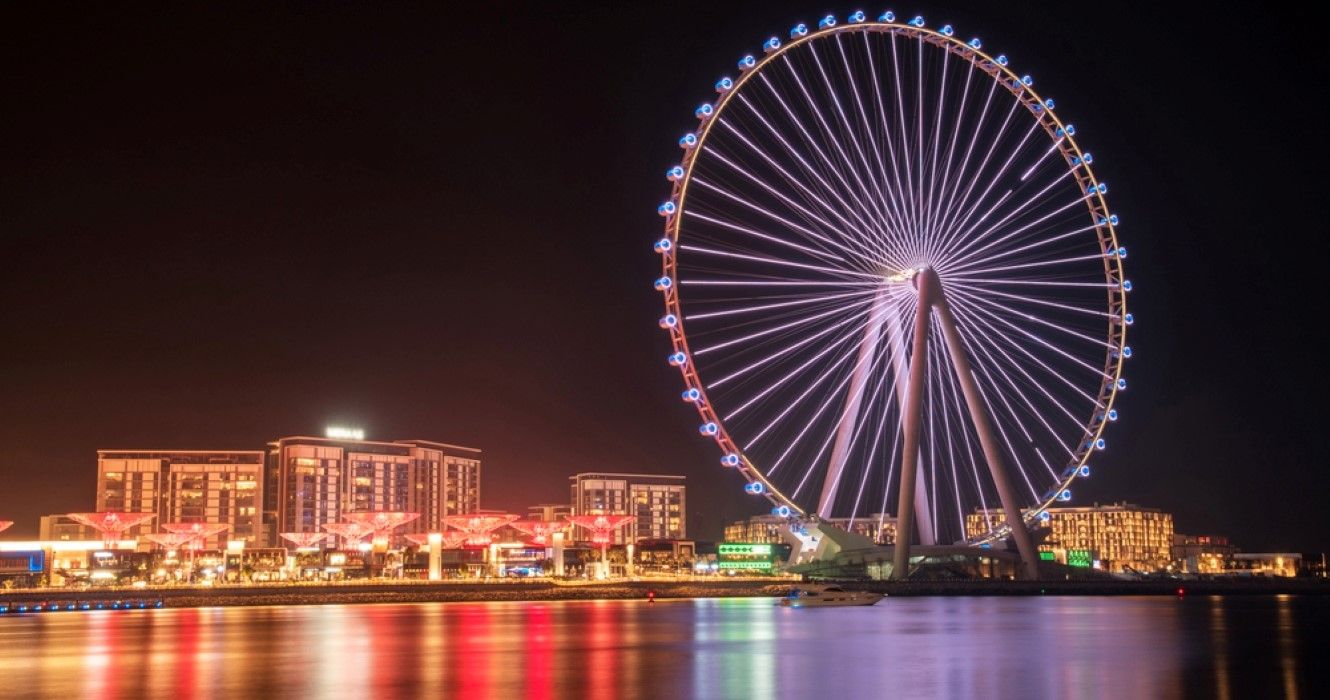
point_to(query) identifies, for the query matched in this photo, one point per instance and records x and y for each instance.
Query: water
(1237, 647)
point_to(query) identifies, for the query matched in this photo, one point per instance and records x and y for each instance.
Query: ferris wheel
(891, 276)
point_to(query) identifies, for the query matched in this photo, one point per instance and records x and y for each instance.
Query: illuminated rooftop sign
(1080, 558)
(339, 433)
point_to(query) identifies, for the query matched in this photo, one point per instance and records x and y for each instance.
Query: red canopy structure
(352, 534)
(4, 524)
(304, 540)
(451, 540)
(111, 524)
(602, 529)
(478, 526)
(380, 522)
(197, 532)
(539, 530)
(169, 540)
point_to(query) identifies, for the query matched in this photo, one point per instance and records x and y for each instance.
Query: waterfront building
(656, 502)
(550, 512)
(1116, 537)
(1201, 554)
(1266, 564)
(315, 481)
(59, 527)
(219, 487)
(766, 529)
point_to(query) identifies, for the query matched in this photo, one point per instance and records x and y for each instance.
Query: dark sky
(220, 226)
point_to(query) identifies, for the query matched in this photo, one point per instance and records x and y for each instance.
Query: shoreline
(423, 592)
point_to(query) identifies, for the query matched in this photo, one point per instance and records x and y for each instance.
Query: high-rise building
(1120, 536)
(656, 502)
(314, 481)
(223, 487)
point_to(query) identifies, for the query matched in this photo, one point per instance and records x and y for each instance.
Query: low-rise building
(1116, 537)
(1201, 554)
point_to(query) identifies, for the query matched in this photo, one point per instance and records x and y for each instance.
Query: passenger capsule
(677, 359)
(1128, 319)
(1075, 160)
(1102, 188)
(724, 84)
(1126, 285)
(666, 209)
(799, 30)
(1122, 383)
(708, 429)
(947, 30)
(669, 321)
(663, 246)
(1001, 59)
(663, 284)
(688, 141)
(703, 110)
(1071, 128)
(1122, 253)
(1045, 516)
(747, 62)
(674, 174)
(1027, 81)
(1126, 351)
(781, 511)
(1112, 414)
(771, 44)
(730, 460)
(754, 487)
(1065, 495)
(1048, 103)
(1088, 157)
(976, 44)
(918, 21)
(1113, 219)
(1084, 471)
(825, 22)
(887, 16)
(857, 16)
(691, 395)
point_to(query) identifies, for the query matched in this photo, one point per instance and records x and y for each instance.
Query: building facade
(59, 527)
(1119, 537)
(657, 503)
(313, 482)
(1202, 554)
(222, 487)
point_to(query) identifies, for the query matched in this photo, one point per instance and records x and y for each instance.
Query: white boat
(827, 597)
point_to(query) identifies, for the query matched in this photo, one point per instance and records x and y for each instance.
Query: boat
(827, 597)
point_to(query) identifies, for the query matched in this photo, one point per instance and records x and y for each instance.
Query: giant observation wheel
(890, 275)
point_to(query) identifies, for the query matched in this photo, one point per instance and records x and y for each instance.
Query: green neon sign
(1046, 556)
(1080, 558)
(763, 549)
(764, 565)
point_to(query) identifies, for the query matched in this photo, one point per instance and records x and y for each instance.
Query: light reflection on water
(725, 648)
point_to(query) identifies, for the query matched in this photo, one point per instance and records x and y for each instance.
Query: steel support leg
(914, 400)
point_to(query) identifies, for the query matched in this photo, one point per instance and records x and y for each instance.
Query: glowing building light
(335, 432)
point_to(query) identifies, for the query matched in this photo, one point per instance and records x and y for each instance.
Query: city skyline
(338, 262)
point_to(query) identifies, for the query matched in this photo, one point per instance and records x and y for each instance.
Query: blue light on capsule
(1100, 444)
(1112, 414)
(1122, 383)
(828, 21)
(663, 246)
(976, 44)
(666, 209)
(1126, 285)
(1075, 160)
(771, 44)
(1059, 132)
(918, 21)
(692, 395)
(1084, 471)
(730, 460)
(799, 30)
(708, 429)
(781, 511)
(947, 30)
(857, 16)
(677, 359)
(1071, 128)
(887, 16)
(1027, 80)
(1102, 188)
(747, 62)
(1001, 59)
(1113, 219)
(1065, 495)
(703, 110)
(669, 321)
(724, 84)
(1126, 351)
(674, 174)
(1045, 516)
(688, 141)
(1129, 319)
(1122, 253)
(1048, 103)
(1088, 157)
(754, 488)
(663, 284)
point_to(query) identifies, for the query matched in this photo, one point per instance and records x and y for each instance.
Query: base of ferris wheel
(822, 550)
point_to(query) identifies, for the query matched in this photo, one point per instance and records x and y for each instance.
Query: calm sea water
(1238, 647)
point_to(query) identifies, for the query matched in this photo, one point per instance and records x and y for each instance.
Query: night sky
(221, 226)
